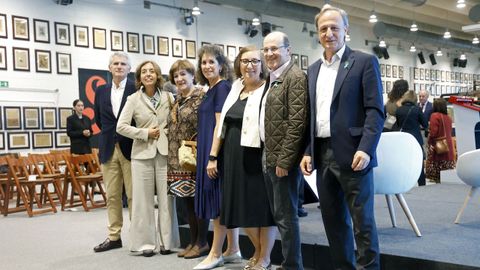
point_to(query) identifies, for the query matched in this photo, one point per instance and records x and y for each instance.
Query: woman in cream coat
(149, 108)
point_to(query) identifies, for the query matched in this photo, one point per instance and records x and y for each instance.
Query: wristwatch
(212, 158)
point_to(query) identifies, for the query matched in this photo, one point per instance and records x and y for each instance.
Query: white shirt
(325, 86)
(273, 76)
(116, 96)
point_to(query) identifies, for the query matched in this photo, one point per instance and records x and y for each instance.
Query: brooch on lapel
(345, 66)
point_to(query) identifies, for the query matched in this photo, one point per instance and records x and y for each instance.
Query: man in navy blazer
(114, 149)
(345, 126)
(426, 106)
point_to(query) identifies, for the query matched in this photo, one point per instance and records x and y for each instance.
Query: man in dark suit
(79, 129)
(346, 122)
(114, 149)
(426, 106)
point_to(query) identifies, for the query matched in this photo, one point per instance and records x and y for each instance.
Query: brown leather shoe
(107, 245)
(196, 252)
(185, 251)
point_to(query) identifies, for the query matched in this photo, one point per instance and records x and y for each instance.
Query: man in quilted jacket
(283, 119)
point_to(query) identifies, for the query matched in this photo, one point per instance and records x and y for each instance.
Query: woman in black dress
(79, 129)
(244, 198)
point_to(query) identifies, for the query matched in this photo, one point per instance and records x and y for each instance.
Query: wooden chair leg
(467, 199)
(409, 215)
(49, 197)
(391, 209)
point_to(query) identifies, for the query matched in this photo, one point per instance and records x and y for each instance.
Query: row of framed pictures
(35, 140)
(437, 90)
(391, 71)
(301, 62)
(34, 117)
(43, 60)
(426, 74)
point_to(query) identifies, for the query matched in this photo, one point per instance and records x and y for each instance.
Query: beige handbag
(187, 154)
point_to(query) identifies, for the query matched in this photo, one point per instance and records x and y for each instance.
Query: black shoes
(165, 251)
(107, 245)
(302, 212)
(148, 253)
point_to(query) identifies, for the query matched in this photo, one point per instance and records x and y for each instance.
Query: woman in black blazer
(79, 129)
(409, 119)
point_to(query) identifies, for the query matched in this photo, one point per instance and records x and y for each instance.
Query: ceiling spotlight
(256, 21)
(196, 11)
(304, 29)
(447, 34)
(412, 48)
(461, 4)
(382, 43)
(373, 17)
(439, 52)
(463, 56)
(475, 40)
(347, 37)
(414, 27)
(188, 19)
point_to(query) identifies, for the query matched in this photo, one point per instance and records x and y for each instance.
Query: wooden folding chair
(19, 170)
(44, 169)
(81, 175)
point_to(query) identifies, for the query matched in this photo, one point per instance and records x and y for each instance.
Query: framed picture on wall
(231, 52)
(162, 43)
(447, 76)
(61, 139)
(205, 43)
(422, 74)
(190, 49)
(42, 139)
(133, 42)
(43, 61)
(443, 75)
(148, 44)
(99, 38)
(20, 28)
(62, 33)
(3, 58)
(394, 71)
(304, 62)
(177, 48)
(1, 119)
(3, 26)
(12, 118)
(41, 31)
(415, 73)
(18, 140)
(116, 40)
(81, 36)
(64, 63)
(21, 59)
(296, 59)
(400, 72)
(388, 85)
(382, 70)
(388, 71)
(2, 141)
(63, 114)
(31, 118)
(427, 74)
(383, 87)
(49, 118)
(439, 75)
(432, 75)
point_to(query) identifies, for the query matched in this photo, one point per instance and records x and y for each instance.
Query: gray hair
(426, 92)
(120, 54)
(328, 7)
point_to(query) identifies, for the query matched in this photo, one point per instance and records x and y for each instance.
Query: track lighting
(412, 48)
(414, 27)
(475, 40)
(447, 34)
(373, 17)
(461, 4)
(439, 52)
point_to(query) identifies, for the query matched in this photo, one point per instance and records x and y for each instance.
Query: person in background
(425, 106)
(409, 119)
(79, 129)
(182, 125)
(283, 123)
(440, 126)
(399, 88)
(244, 197)
(346, 122)
(214, 70)
(114, 149)
(149, 108)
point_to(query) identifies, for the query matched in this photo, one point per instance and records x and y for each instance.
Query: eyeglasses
(272, 49)
(254, 62)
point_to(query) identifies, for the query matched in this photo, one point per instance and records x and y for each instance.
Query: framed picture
(382, 70)
(422, 73)
(296, 59)
(116, 40)
(383, 87)
(416, 87)
(388, 71)
(132, 42)
(21, 59)
(447, 76)
(190, 49)
(12, 118)
(62, 33)
(231, 52)
(43, 61)
(432, 75)
(64, 63)
(20, 28)
(148, 44)
(205, 43)
(3, 58)
(63, 114)
(388, 85)
(415, 73)
(177, 48)
(2, 141)
(304, 62)
(394, 71)
(41, 31)
(221, 46)
(61, 139)
(18, 140)
(81, 36)
(99, 38)
(427, 74)
(3, 26)
(443, 75)
(1, 119)
(400, 72)
(439, 75)
(49, 118)
(31, 118)
(42, 139)
(162, 43)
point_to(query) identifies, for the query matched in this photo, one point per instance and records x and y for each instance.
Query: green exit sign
(4, 84)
